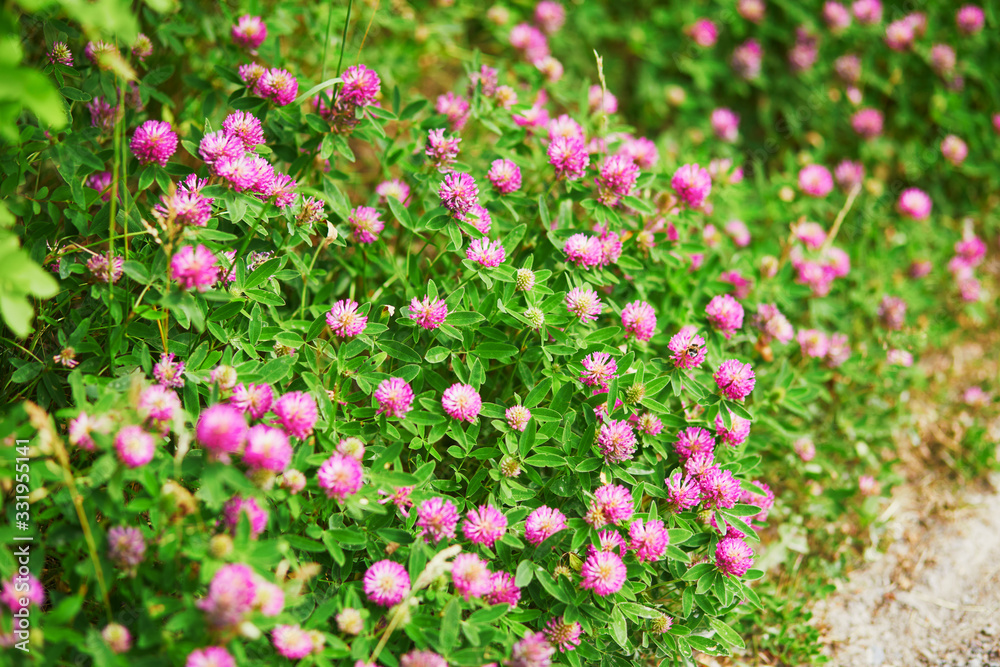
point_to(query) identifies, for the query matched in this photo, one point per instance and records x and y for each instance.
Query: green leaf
(275, 370)
(317, 88)
(75, 94)
(136, 271)
(524, 574)
(400, 212)
(619, 627)
(424, 418)
(739, 410)
(65, 611)
(496, 350)
(703, 644)
(225, 311)
(706, 581)
(345, 536)
(486, 616)
(726, 633)
(262, 273)
(397, 350)
(412, 109)
(334, 548)
(551, 585)
(236, 206)
(639, 205)
(26, 373)
(539, 392)
(640, 610)
(527, 439)
(743, 510)
(304, 543)
(436, 355)
(463, 318)
(698, 571)
(456, 237)
(678, 536)
(450, 625)
(607, 333)
(36, 92)
(545, 461)
(543, 211)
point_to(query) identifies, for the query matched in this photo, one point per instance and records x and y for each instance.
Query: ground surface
(933, 597)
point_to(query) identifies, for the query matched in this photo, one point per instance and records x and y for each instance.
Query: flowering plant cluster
(339, 374)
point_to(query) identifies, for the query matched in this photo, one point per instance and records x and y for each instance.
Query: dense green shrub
(365, 345)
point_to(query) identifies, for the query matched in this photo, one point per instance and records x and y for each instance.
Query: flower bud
(675, 96)
(535, 317)
(635, 393)
(250, 631)
(177, 501)
(117, 637)
(349, 621)
(293, 480)
(262, 478)
(510, 467)
(353, 447)
(662, 623)
(524, 280)
(498, 15)
(220, 546)
(768, 266)
(318, 640)
(224, 376)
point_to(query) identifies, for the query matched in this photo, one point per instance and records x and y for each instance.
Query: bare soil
(930, 595)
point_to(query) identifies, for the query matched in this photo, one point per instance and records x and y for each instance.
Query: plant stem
(343, 38)
(239, 255)
(115, 175)
(22, 348)
(326, 44)
(305, 277)
(370, 21)
(63, 457)
(840, 216)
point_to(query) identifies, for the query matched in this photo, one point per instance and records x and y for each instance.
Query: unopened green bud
(220, 546)
(535, 317)
(635, 393)
(510, 467)
(525, 280)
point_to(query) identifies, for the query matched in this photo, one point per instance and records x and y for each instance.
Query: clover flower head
(484, 525)
(386, 583)
(471, 575)
(340, 476)
(429, 313)
(249, 32)
(462, 402)
(394, 397)
(604, 573)
(345, 320)
(437, 519)
(154, 142)
(639, 320)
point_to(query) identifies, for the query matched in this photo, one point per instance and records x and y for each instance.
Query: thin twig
(370, 21)
(43, 423)
(840, 216)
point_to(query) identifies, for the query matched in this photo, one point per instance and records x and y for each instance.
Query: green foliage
(98, 359)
